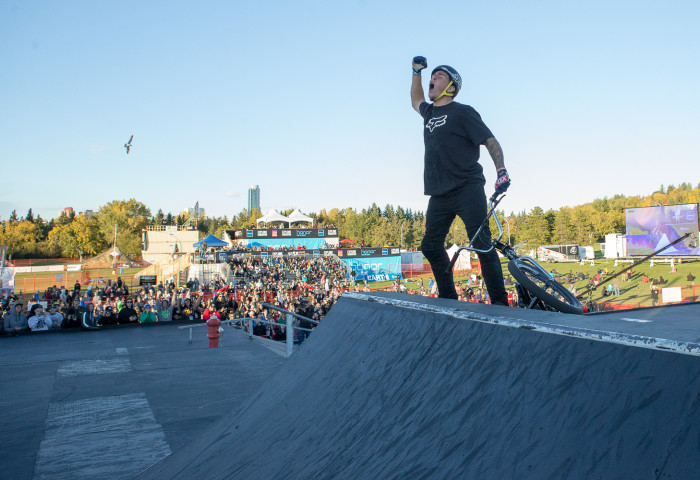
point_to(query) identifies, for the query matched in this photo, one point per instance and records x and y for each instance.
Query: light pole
(178, 256)
(508, 225)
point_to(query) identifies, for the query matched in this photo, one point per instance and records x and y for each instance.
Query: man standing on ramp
(453, 177)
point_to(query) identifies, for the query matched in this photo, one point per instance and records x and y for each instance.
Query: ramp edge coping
(640, 341)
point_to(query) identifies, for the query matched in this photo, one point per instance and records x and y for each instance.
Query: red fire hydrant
(213, 334)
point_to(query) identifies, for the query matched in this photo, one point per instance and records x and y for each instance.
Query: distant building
(66, 211)
(194, 212)
(89, 213)
(254, 198)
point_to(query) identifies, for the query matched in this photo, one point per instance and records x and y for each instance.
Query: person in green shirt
(148, 316)
(164, 311)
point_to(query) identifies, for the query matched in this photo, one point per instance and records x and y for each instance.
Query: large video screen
(651, 228)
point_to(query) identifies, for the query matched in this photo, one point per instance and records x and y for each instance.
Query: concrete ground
(108, 404)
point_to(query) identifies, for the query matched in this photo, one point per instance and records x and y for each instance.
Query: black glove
(419, 63)
(502, 182)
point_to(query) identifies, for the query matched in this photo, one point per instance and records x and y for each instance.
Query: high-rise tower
(254, 198)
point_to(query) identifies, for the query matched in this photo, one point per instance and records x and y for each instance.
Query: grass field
(632, 292)
(31, 282)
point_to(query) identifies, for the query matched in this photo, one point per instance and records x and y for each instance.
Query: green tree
(582, 217)
(159, 218)
(457, 234)
(563, 231)
(536, 231)
(62, 219)
(21, 238)
(353, 227)
(43, 227)
(414, 237)
(78, 238)
(130, 218)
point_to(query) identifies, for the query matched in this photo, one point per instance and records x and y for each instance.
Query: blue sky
(310, 100)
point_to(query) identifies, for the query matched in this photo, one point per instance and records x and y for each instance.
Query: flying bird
(128, 145)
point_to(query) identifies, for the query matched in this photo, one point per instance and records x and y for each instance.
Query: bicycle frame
(535, 286)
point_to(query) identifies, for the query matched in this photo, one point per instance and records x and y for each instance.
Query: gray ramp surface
(387, 391)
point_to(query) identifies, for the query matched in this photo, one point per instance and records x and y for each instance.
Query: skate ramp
(393, 389)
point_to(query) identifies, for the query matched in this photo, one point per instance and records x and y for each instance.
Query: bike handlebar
(496, 199)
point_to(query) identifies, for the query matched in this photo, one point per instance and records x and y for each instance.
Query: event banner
(148, 280)
(320, 252)
(649, 229)
(286, 233)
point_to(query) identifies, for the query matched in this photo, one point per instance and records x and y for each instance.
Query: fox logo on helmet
(435, 122)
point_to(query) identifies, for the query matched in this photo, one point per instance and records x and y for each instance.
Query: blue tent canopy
(212, 241)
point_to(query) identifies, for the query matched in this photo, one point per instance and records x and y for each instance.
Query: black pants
(469, 202)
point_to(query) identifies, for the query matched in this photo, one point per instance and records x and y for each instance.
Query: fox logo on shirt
(435, 122)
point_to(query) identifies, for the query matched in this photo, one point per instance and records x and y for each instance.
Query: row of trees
(75, 236)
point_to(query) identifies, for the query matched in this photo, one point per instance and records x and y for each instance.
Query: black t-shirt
(452, 134)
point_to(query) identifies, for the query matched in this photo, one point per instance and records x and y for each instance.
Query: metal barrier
(204, 325)
(289, 326)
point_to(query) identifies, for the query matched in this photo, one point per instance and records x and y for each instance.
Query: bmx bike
(535, 286)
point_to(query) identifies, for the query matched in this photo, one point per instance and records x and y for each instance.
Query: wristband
(416, 73)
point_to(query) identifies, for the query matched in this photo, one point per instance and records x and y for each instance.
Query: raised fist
(419, 63)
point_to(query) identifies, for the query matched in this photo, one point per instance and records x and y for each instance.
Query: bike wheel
(543, 287)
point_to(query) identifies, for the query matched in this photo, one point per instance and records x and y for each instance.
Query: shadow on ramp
(407, 390)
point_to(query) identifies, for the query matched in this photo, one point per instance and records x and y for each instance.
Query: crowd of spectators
(308, 287)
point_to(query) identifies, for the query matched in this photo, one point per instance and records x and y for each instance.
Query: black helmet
(452, 73)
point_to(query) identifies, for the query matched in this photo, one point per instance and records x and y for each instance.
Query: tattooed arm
(503, 179)
(496, 152)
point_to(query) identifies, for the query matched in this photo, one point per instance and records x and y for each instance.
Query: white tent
(273, 216)
(463, 262)
(297, 216)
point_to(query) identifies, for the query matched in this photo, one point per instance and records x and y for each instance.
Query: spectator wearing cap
(148, 316)
(15, 320)
(56, 316)
(127, 314)
(38, 320)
